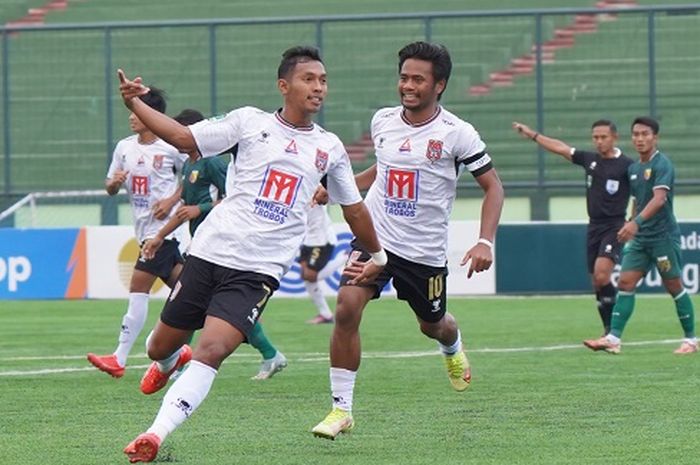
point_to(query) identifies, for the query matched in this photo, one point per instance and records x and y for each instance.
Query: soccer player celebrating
(247, 242)
(204, 184)
(149, 167)
(421, 149)
(652, 238)
(607, 197)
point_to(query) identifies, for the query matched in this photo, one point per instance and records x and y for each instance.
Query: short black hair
(188, 116)
(437, 54)
(155, 98)
(295, 55)
(647, 121)
(605, 122)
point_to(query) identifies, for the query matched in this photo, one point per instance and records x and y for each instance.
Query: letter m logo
(139, 185)
(280, 187)
(402, 184)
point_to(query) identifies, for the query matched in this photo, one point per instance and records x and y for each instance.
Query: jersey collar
(432, 118)
(284, 122)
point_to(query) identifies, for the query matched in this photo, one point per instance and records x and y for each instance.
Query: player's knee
(211, 353)
(600, 279)
(626, 285)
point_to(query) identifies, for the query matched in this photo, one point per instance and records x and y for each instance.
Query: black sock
(606, 301)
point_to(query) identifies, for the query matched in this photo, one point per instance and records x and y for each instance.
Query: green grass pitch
(537, 397)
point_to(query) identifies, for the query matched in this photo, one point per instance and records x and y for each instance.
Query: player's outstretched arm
(358, 218)
(480, 256)
(161, 125)
(548, 143)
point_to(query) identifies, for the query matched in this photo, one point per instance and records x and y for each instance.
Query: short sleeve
(116, 164)
(342, 188)
(663, 178)
(581, 157)
(216, 135)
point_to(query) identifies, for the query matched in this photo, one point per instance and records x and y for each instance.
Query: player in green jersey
(652, 238)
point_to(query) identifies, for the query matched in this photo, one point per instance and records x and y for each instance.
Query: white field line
(309, 357)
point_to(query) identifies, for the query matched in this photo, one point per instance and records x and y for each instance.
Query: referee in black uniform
(607, 198)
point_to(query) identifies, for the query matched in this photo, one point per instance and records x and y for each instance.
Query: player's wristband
(534, 138)
(639, 220)
(486, 242)
(379, 258)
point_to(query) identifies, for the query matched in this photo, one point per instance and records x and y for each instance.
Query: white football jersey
(153, 175)
(417, 171)
(261, 223)
(319, 227)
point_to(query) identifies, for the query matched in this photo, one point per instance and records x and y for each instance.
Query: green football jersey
(657, 173)
(198, 182)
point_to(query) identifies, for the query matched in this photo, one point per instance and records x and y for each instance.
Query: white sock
(166, 364)
(453, 348)
(318, 299)
(183, 398)
(342, 387)
(613, 339)
(332, 266)
(132, 324)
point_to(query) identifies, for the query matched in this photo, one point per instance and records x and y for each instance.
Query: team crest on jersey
(291, 147)
(612, 186)
(406, 146)
(647, 174)
(663, 264)
(194, 175)
(434, 150)
(277, 195)
(401, 192)
(321, 160)
(158, 161)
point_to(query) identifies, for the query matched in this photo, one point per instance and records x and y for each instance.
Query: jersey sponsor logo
(321, 160)
(158, 161)
(612, 186)
(406, 146)
(291, 147)
(434, 150)
(194, 175)
(277, 195)
(401, 192)
(647, 174)
(139, 185)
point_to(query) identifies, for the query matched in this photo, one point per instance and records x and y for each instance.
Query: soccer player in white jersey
(421, 149)
(247, 242)
(149, 168)
(315, 260)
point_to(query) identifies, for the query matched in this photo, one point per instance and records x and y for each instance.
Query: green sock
(686, 313)
(622, 311)
(257, 339)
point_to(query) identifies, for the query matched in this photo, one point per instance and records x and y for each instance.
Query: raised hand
(130, 89)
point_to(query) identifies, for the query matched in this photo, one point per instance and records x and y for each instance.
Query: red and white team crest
(402, 184)
(321, 160)
(158, 161)
(139, 185)
(434, 150)
(280, 187)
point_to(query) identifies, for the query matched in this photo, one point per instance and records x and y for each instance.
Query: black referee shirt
(607, 185)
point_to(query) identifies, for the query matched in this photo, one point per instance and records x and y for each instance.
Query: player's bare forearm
(358, 218)
(655, 204)
(173, 223)
(492, 204)
(365, 179)
(550, 144)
